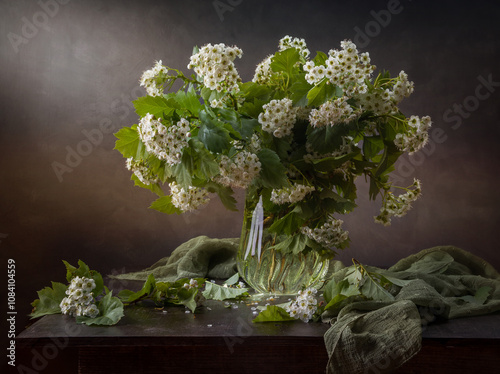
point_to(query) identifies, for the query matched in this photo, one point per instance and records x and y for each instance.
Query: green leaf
(233, 280)
(338, 203)
(320, 58)
(153, 187)
(84, 271)
(289, 223)
(272, 173)
(129, 143)
(252, 90)
(285, 60)
(322, 92)
(372, 146)
(49, 300)
(293, 244)
(433, 263)
(187, 298)
(110, 312)
(212, 133)
(372, 289)
(128, 296)
(389, 158)
(189, 100)
(164, 205)
(480, 297)
(225, 195)
(328, 164)
(252, 108)
(300, 89)
(215, 292)
(273, 313)
(327, 139)
(158, 106)
(184, 170)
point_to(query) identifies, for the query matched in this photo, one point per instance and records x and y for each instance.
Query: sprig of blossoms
(333, 112)
(345, 68)
(80, 299)
(153, 79)
(240, 171)
(330, 234)
(398, 206)
(278, 117)
(385, 99)
(417, 135)
(165, 142)
(290, 195)
(299, 43)
(193, 283)
(304, 306)
(188, 200)
(263, 70)
(141, 171)
(215, 64)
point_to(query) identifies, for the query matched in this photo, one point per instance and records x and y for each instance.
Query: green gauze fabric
(373, 337)
(200, 257)
(379, 336)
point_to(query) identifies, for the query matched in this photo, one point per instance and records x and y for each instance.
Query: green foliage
(215, 292)
(158, 106)
(273, 313)
(225, 194)
(321, 93)
(110, 312)
(164, 205)
(129, 144)
(49, 300)
(84, 271)
(212, 133)
(285, 61)
(479, 297)
(273, 172)
(128, 296)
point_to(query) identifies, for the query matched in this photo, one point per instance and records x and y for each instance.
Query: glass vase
(270, 271)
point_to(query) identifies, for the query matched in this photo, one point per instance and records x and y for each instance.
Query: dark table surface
(224, 332)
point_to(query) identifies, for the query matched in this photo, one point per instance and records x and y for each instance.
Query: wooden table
(223, 339)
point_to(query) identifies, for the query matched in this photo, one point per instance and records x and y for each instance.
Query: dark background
(73, 69)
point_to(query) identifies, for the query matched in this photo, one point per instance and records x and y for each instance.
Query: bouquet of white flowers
(295, 138)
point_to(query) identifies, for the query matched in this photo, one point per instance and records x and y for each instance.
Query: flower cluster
(345, 68)
(240, 171)
(278, 117)
(290, 195)
(193, 283)
(330, 234)
(166, 143)
(333, 112)
(386, 98)
(154, 79)
(215, 64)
(141, 171)
(188, 200)
(417, 136)
(304, 306)
(263, 71)
(80, 299)
(298, 43)
(398, 206)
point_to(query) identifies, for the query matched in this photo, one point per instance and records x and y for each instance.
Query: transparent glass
(275, 272)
